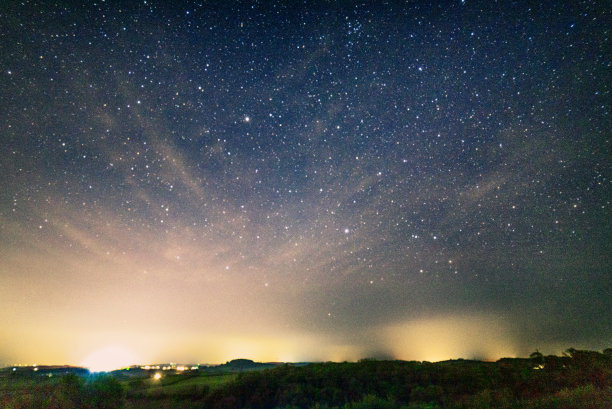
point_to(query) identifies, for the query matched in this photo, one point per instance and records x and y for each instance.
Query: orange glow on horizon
(109, 358)
(451, 337)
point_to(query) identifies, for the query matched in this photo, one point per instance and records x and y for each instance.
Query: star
(316, 149)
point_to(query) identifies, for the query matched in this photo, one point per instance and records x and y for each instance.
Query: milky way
(317, 181)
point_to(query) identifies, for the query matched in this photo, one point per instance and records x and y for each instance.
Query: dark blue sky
(305, 180)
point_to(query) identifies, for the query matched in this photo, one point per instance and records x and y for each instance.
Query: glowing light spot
(157, 376)
(108, 358)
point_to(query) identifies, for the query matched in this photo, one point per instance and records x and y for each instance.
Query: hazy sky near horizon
(289, 181)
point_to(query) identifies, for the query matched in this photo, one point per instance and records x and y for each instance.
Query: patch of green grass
(181, 385)
(212, 381)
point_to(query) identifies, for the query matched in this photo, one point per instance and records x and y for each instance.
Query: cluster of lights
(171, 367)
(33, 366)
(147, 367)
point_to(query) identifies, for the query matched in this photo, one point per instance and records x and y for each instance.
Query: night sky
(289, 181)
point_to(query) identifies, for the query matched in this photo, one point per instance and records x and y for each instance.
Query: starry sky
(292, 181)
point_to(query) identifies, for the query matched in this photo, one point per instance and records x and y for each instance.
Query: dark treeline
(444, 384)
(578, 379)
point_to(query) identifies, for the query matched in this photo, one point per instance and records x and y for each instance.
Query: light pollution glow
(302, 184)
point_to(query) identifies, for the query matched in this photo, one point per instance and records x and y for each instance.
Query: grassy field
(177, 385)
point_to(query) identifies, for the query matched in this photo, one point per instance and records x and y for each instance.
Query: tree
(105, 392)
(69, 392)
(537, 358)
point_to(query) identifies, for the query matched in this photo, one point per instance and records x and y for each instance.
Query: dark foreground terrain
(578, 379)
